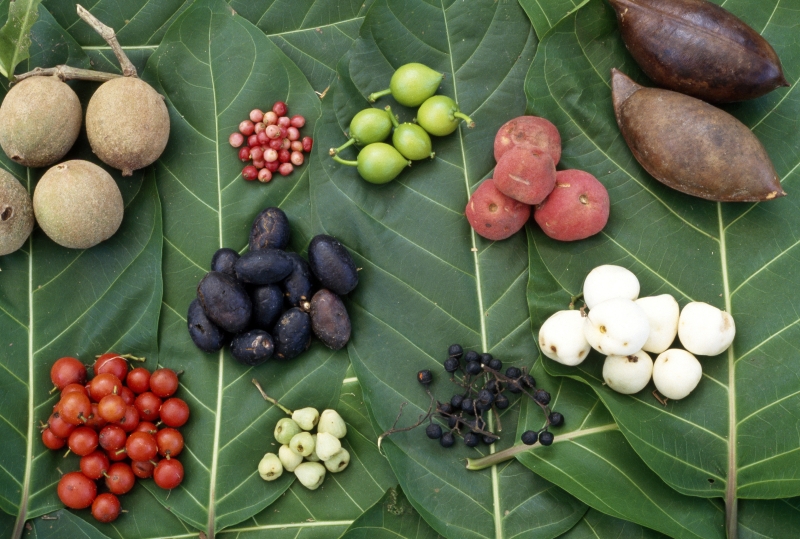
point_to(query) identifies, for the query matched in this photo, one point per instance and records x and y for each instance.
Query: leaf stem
(270, 399)
(496, 458)
(107, 33)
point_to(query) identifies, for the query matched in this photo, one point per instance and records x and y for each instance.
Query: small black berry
(466, 405)
(477, 424)
(451, 364)
(452, 421)
(447, 439)
(433, 431)
(542, 397)
(529, 381)
(489, 440)
(501, 402)
(491, 385)
(529, 437)
(556, 419)
(514, 386)
(496, 365)
(424, 377)
(546, 438)
(473, 367)
(485, 397)
(472, 355)
(455, 351)
(455, 401)
(445, 408)
(471, 439)
(513, 372)
(486, 358)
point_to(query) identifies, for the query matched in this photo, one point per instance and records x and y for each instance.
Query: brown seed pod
(329, 319)
(697, 48)
(691, 146)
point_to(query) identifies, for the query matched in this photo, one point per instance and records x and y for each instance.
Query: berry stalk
(377, 95)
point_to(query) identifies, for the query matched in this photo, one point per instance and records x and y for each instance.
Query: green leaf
(214, 67)
(736, 432)
(315, 34)
(414, 246)
(15, 39)
(545, 14)
(393, 516)
(597, 525)
(342, 498)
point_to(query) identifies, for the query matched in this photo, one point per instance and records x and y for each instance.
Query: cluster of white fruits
(626, 329)
(307, 455)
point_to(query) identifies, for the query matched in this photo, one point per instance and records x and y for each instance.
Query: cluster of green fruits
(412, 85)
(305, 454)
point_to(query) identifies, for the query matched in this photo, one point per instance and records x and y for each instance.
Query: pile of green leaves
(622, 466)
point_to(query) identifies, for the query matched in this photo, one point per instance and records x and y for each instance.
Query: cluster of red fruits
(119, 423)
(273, 143)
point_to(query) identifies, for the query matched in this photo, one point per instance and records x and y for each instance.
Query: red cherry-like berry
(113, 363)
(51, 441)
(298, 121)
(170, 442)
(139, 380)
(76, 491)
(250, 173)
(120, 478)
(95, 464)
(285, 169)
(308, 143)
(104, 384)
(82, 441)
(142, 469)
(141, 446)
(111, 408)
(106, 508)
(174, 412)
(279, 108)
(246, 128)
(131, 419)
(112, 437)
(67, 370)
(74, 408)
(236, 139)
(168, 473)
(148, 405)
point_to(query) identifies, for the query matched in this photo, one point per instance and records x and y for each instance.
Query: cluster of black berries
(465, 410)
(268, 302)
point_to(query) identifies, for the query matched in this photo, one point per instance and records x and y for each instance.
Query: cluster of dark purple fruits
(484, 388)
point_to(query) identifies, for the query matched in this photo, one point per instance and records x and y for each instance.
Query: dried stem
(422, 419)
(65, 73)
(270, 399)
(107, 33)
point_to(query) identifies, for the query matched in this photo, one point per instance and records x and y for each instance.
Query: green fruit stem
(334, 151)
(466, 118)
(345, 162)
(377, 95)
(392, 117)
(270, 399)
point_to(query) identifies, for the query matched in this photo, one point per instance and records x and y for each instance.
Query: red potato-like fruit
(527, 176)
(494, 215)
(576, 209)
(530, 132)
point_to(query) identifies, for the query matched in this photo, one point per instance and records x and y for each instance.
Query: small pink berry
(273, 131)
(256, 115)
(259, 163)
(297, 146)
(284, 156)
(284, 121)
(279, 108)
(249, 173)
(296, 158)
(236, 139)
(284, 131)
(244, 154)
(252, 140)
(292, 133)
(270, 118)
(256, 153)
(263, 137)
(259, 127)
(264, 175)
(286, 144)
(276, 144)
(273, 166)
(308, 143)
(246, 128)
(285, 169)
(270, 155)
(298, 121)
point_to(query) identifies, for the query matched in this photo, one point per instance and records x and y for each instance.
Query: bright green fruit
(368, 126)
(411, 84)
(439, 115)
(285, 430)
(377, 163)
(412, 142)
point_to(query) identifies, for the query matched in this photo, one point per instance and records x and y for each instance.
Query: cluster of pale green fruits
(309, 456)
(412, 85)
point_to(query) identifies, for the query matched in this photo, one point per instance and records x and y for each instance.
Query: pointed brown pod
(691, 146)
(697, 48)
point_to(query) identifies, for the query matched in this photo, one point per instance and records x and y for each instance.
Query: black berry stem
(421, 420)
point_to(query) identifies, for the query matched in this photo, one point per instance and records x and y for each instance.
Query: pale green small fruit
(313, 457)
(339, 461)
(289, 459)
(302, 444)
(327, 445)
(285, 430)
(270, 467)
(331, 422)
(310, 474)
(307, 418)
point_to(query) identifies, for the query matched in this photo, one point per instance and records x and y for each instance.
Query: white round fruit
(270, 467)
(561, 338)
(326, 445)
(676, 373)
(662, 313)
(705, 330)
(609, 282)
(617, 327)
(628, 374)
(310, 474)
(289, 459)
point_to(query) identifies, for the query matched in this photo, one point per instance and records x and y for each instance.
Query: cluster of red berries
(273, 143)
(112, 423)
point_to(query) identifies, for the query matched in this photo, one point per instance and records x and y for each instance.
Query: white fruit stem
(107, 33)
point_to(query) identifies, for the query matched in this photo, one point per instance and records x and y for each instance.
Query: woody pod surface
(691, 146)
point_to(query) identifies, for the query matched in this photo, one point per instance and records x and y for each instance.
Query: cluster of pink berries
(273, 143)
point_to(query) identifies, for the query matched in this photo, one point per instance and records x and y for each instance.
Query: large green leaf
(56, 302)
(15, 41)
(597, 525)
(342, 498)
(737, 435)
(391, 517)
(545, 14)
(426, 280)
